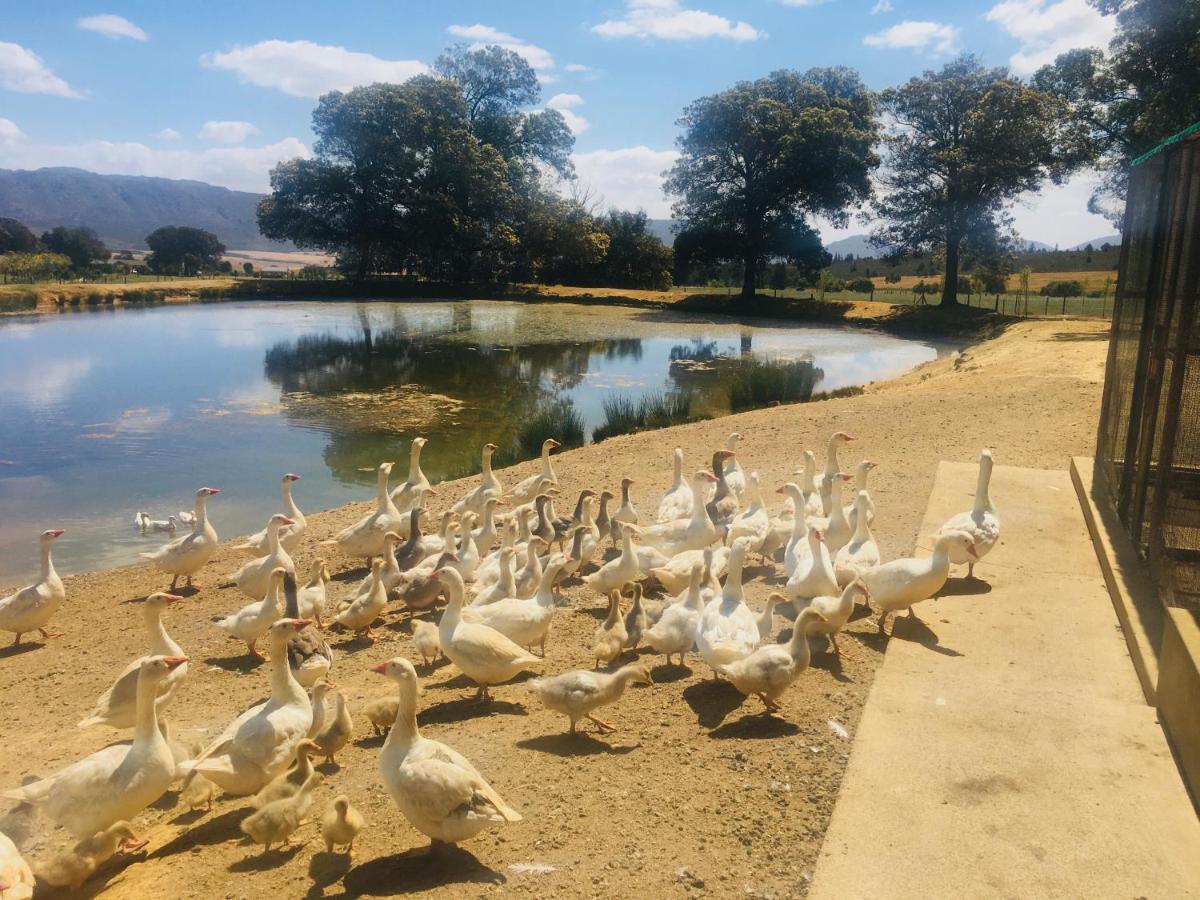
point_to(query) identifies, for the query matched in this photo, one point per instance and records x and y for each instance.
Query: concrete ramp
(1006, 749)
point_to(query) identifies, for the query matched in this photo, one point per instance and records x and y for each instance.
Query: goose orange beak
(174, 662)
(380, 669)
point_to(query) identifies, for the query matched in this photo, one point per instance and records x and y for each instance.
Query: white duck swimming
(982, 522)
(815, 578)
(861, 553)
(676, 503)
(836, 611)
(524, 622)
(117, 707)
(261, 742)
(30, 608)
(251, 579)
(253, 620)
(409, 494)
(832, 468)
(489, 487)
(903, 582)
(728, 630)
(481, 653)
(289, 536)
(15, 875)
(528, 488)
(675, 631)
(146, 524)
(186, 518)
(440, 793)
(734, 475)
(186, 555)
(119, 781)
(367, 536)
(773, 668)
(695, 532)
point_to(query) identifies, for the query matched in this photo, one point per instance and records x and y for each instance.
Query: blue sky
(221, 91)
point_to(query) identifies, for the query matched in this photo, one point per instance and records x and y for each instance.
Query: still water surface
(106, 413)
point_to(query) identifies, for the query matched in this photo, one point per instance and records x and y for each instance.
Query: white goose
(366, 537)
(832, 468)
(796, 552)
(505, 586)
(119, 781)
(117, 707)
(618, 572)
(314, 593)
(812, 505)
(675, 574)
(626, 514)
(251, 579)
(752, 524)
(735, 477)
(252, 621)
(861, 553)
(489, 487)
(772, 668)
(367, 607)
(416, 486)
(485, 534)
(861, 472)
(817, 577)
(836, 611)
(261, 742)
(524, 622)
(677, 502)
(440, 793)
(728, 630)
(675, 631)
(16, 878)
(165, 526)
(481, 653)
(694, 532)
(30, 608)
(467, 552)
(488, 572)
(838, 530)
(186, 518)
(982, 522)
(903, 582)
(258, 543)
(186, 555)
(528, 488)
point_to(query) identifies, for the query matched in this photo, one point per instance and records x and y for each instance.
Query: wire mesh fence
(1148, 445)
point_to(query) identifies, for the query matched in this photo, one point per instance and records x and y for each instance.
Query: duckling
(381, 714)
(625, 513)
(320, 689)
(428, 644)
(611, 635)
(73, 867)
(771, 669)
(279, 819)
(361, 614)
(340, 825)
(766, 618)
(635, 620)
(287, 783)
(577, 693)
(337, 732)
(312, 597)
(199, 792)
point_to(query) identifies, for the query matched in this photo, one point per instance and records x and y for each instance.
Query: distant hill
(661, 229)
(1113, 240)
(857, 244)
(123, 209)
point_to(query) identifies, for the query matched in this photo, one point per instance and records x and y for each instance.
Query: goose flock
(671, 581)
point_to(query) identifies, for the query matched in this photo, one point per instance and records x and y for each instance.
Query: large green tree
(758, 159)
(16, 238)
(183, 250)
(964, 141)
(81, 245)
(635, 258)
(1143, 90)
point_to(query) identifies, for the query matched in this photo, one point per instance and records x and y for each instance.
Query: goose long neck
(160, 642)
(145, 723)
(508, 576)
(381, 490)
(810, 476)
(983, 500)
(414, 463)
(404, 731)
(454, 604)
(273, 538)
(732, 592)
(547, 470)
(46, 570)
(831, 456)
(677, 477)
(799, 643)
(614, 609)
(284, 686)
(201, 512)
(545, 594)
(693, 595)
(624, 493)
(486, 466)
(627, 544)
(288, 503)
(862, 531)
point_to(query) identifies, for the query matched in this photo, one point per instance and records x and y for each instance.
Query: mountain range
(123, 209)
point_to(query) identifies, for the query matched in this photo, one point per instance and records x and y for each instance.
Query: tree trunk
(364, 257)
(950, 283)
(748, 273)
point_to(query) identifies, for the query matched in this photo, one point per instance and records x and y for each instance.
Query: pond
(106, 413)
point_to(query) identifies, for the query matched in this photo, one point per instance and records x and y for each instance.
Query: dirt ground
(696, 794)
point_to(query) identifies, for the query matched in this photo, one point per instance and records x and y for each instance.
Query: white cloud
(576, 67)
(305, 69)
(9, 132)
(240, 168)
(881, 6)
(227, 132)
(1046, 29)
(915, 35)
(669, 20)
(112, 26)
(1059, 214)
(804, 2)
(565, 103)
(24, 71)
(629, 178)
(168, 134)
(484, 35)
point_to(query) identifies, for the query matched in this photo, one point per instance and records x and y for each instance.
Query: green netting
(1173, 139)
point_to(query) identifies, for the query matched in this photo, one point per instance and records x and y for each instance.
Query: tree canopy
(1143, 90)
(81, 245)
(966, 140)
(183, 250)
(16, 238)
(760, 157)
